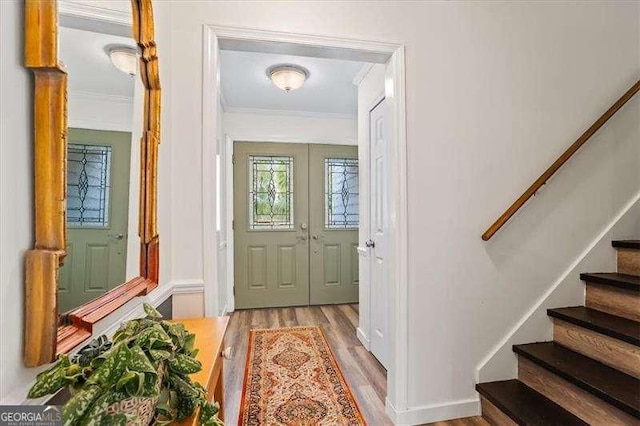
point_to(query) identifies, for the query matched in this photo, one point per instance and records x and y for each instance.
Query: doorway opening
(222, 236)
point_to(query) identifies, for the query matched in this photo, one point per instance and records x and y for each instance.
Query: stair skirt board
(615, 353)
(581, 403)
(613, 300)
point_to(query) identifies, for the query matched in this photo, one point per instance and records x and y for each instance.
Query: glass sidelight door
(295, 224)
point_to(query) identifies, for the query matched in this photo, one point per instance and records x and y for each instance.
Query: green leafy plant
(148, 363)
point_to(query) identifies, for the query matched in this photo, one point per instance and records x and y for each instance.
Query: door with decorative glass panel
(97, 215)
(295, 224)
(333, 224)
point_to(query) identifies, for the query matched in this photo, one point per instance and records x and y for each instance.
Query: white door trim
(302, 44)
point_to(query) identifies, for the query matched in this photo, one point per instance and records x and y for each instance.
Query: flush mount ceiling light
(288, 77)
(124, 58)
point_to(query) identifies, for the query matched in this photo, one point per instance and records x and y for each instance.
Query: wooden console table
(210, 342)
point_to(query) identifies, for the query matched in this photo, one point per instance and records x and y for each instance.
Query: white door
(378, 137)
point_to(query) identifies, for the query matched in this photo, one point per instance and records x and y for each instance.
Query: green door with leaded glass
(271, 225)
(295, 224)
(97, 215)
(333, 224)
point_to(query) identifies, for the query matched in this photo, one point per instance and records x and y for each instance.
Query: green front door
(334, 220)
(295, 224)
(97, 215)
(271, 225)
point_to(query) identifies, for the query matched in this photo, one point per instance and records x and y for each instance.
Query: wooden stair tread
(608, 384)
(628, 282)
(610, 325)
(524, 405)
(628, 244)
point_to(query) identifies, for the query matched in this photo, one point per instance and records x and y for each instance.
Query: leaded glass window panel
(341, 193)
(270, 192)
(88, 185)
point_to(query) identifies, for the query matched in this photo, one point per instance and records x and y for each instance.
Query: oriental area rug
(291, 378)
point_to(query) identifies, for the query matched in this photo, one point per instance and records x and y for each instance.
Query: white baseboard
(434, 413)
(363, 338)
(225, 311)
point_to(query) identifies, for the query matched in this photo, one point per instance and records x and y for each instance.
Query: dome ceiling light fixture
(288, 77)
(124, 58)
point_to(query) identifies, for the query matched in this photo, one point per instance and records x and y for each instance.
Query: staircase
(590, 372)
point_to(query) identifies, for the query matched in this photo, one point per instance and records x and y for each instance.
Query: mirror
(96, 138)
(102, 164)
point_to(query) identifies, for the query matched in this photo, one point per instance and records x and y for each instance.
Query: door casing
(395, 91)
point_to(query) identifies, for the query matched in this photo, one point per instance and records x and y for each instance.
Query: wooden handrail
(560, 161)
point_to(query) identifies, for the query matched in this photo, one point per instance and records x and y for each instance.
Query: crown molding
(362, 73)
(278, 112)
(100, 97)
(88, 10)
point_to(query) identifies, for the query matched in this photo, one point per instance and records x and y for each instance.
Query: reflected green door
(98, 172)
(287, 251)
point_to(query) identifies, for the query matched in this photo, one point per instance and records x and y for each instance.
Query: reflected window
(88, 179)
(341, 193)
(270, 192)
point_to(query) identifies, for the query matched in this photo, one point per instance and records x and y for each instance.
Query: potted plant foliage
(140, 377)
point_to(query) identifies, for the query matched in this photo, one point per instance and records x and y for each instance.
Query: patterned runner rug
(292, 378)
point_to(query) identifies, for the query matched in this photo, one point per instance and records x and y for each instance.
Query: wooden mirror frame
(44, 339)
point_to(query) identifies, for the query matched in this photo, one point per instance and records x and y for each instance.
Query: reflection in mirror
(102, 165)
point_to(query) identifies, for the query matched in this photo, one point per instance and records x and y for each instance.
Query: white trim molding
(362, 73)
(91, 10)
(364, 339)
(92, 16)
(291, 113)
(188, 286)
(433, 413)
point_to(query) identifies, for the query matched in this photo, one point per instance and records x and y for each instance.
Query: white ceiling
(88, 64)
(328, 90)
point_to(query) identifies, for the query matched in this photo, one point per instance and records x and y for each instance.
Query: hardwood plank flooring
(366, 378)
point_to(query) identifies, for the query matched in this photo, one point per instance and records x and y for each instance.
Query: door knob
(117, 236)
(370, 243)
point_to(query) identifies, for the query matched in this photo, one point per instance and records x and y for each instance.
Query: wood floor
(367, 379)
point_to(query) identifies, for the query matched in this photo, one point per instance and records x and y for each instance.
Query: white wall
(290, 128)
(495, 92)
(99, 111)
(16, 201)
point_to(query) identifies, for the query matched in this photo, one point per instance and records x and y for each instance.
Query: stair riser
(614, 300)
(628, 261)
(493, 415)
(615, 353)
(585, 405)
